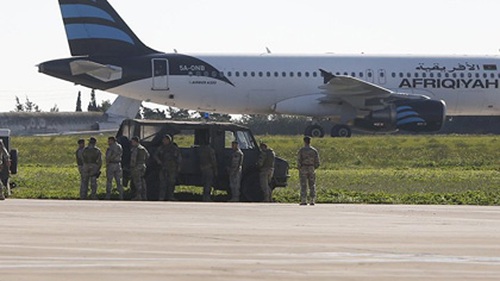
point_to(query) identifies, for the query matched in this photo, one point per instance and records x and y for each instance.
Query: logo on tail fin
(94, 28)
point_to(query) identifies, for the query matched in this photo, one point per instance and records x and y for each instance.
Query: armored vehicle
(188, 136)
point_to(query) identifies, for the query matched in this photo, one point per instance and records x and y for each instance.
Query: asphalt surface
(98, 240)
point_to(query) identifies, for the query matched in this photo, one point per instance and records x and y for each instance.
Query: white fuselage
(468, 85)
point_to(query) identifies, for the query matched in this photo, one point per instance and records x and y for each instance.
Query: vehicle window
(228, 138)
(245, 140)
(186, 138)
(149, 132)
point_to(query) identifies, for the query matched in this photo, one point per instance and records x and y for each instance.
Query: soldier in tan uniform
(308, 162)
(208, 166)
(234, 171)
(266, 170)
(92, 162)
(4, 171)
(114, 170)
(169, 157)
(79, 159)
(138, 158)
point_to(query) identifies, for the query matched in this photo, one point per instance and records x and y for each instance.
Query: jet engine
(407, 115)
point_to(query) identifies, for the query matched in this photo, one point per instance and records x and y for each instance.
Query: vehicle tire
(13, 160)
(341, 131)
(315, 131)
(250, 188)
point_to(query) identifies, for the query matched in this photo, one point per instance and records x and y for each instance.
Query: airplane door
(382, 78)
(160, 73)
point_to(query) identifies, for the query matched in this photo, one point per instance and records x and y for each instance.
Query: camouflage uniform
(307, 161)
(266, 171)
(92, 162)
(170, 158)
(139, 156)
(114, 169)
(235, 174)
(79, 162)
(4, 172)
(208, 166)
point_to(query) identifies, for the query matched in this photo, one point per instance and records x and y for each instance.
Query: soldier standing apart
(308, 162)
(139, 156)
(79, 160)
(92, 162)
(169, 157)
(235, 171)
(114, 167)
(266, 170)
(208, 166)
(4, 170)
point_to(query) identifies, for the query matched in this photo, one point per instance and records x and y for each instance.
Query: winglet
(327, 76)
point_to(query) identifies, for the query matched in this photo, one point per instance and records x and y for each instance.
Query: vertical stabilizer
(94, 28)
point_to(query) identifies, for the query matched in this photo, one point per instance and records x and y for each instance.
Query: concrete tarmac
(98, 240)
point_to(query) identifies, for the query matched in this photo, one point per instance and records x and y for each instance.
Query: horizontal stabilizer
(124, 108)
(105, 73)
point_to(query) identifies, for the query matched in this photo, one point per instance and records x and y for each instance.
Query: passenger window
(245, 74)
(261, 74)
(393, 75)
(283, 74)
(306, 74)
(315, 74)
(276, 74)
(229, 74)
(237, 74)
(291, 74)
(361, 74)
(252, 74)
(401, 75)
(299, 74)
(268, 74)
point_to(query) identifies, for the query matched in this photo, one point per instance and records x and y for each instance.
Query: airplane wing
(360, 94)
(342, 86)
(105, 73)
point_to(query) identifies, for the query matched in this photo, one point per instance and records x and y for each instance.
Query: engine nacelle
(407, 115)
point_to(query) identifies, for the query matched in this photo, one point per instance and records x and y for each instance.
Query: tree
(92, 104)
(178, 114)
(153, 114)
(105, 105)
(79, 102)
(55, 108)
(28, 106)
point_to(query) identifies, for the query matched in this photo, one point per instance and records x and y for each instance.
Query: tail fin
(94, 28)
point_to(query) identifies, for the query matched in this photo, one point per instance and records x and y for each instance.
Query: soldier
(235, 170)
(114, 167)
(4, 170)
(139, 156)
(266, 170)
(169, 157)
(79, 159)
(307, 161)
(92, 162)
(208, 166)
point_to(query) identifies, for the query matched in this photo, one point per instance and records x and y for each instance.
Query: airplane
(366, 92)
(70, 123)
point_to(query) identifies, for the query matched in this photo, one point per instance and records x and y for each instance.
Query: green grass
(367, 169)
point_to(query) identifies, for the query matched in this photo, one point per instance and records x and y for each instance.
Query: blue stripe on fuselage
(84, 11)
(96, 31)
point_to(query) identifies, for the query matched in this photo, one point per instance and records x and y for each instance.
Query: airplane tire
(341, 131)
(315, 131)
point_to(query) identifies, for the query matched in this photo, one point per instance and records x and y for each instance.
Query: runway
(99, 240)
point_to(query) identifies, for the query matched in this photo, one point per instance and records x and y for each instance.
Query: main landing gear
(338, 131)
